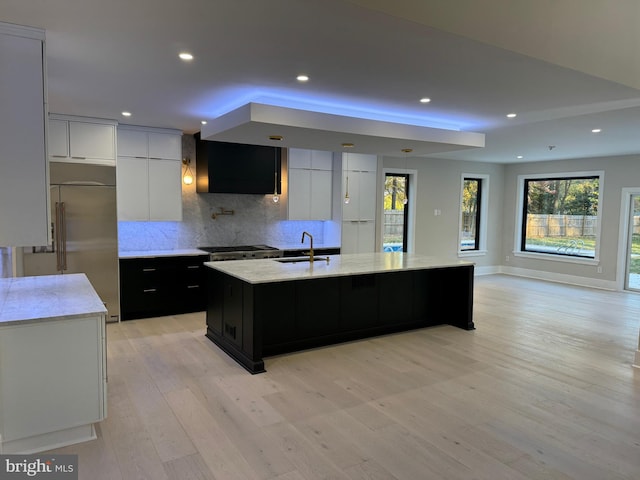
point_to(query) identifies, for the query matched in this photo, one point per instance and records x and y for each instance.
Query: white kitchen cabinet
(132, 188)
(52, 362)
(165, 193)
(149, 174)
(82, 140)
(358, 236)
(24, 189)
(146, 144)
(310, 184)
(359, 175)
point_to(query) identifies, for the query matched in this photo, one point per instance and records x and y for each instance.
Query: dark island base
(252, 321)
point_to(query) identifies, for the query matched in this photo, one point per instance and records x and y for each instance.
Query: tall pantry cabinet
(359, 182)
(24, 191)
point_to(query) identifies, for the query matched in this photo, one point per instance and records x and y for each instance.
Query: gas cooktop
(240, 252)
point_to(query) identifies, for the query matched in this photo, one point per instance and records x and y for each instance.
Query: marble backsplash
(256, 219)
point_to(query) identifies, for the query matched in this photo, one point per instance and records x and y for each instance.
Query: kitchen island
(258, 308)
(52, 362)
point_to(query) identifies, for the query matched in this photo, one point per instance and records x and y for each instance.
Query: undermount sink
(301, 259)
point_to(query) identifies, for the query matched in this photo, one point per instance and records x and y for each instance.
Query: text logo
(50, 467)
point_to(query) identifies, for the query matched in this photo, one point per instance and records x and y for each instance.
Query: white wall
(439, 187)
(619, 172)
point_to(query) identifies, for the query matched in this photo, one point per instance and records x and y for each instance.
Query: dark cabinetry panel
(157, 286)
(358, 302)
(397, 298)
(317, 307)
(249, 321)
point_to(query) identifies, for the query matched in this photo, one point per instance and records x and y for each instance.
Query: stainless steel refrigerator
(84, 229)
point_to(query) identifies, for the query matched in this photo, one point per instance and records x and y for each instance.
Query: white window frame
(484, 215)
(518, 252)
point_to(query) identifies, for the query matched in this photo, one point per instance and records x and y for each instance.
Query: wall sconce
(187, 176)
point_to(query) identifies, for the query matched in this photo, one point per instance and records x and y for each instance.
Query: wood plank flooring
(543, 389)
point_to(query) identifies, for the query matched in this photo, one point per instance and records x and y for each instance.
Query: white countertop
(161, 253)
(47, 297)
(270, 270)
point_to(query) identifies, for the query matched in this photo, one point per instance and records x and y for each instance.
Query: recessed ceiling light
(203, 122)
(519, 156)
(302, 78)
(126, 114)
(186, 56)
(596, 130)
(425, 100)
(512, 115)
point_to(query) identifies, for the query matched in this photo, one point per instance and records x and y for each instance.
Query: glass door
(632, 280)
(396, 212)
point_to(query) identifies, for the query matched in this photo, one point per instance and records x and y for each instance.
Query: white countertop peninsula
(273, 270)
(47, 297)
(52, 362)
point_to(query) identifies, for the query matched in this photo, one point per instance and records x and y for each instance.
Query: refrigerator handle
(63, 236)
(56, 239)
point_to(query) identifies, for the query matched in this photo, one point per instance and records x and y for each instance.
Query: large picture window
(560, 215)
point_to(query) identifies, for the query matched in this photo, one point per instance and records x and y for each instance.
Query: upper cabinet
(24, 190)
(359, 174)
(82, 140)
(149, 173)
(310, 184)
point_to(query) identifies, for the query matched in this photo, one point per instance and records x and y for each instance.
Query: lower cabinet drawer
(153, 287)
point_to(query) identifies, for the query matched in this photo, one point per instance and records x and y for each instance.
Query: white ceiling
(364, 61)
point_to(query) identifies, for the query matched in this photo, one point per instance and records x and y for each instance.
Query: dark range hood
(223, 167)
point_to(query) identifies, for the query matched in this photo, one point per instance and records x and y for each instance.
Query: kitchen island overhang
(259, 308)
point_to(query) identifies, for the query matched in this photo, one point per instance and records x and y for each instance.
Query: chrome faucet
(311, 247)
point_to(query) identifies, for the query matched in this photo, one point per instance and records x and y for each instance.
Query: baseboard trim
(555, 277)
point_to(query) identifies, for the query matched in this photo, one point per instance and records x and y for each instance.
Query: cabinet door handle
(80, 158)
(150, 290)
(193, 286)
(140, 157)
(148, 269)
(59, 156)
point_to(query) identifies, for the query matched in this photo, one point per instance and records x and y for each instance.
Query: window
(396, 212)
(473, 214)
(560, 215)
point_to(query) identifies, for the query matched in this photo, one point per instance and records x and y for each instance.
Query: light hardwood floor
(542, 389)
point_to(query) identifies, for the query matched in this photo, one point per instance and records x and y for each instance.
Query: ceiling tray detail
(254, 123)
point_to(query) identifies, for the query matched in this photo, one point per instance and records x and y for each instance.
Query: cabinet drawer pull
(193, 266)
(80, 158)
(140, 157)
(148, 269)
(59, 156)
(150, 290)
(193, 286)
